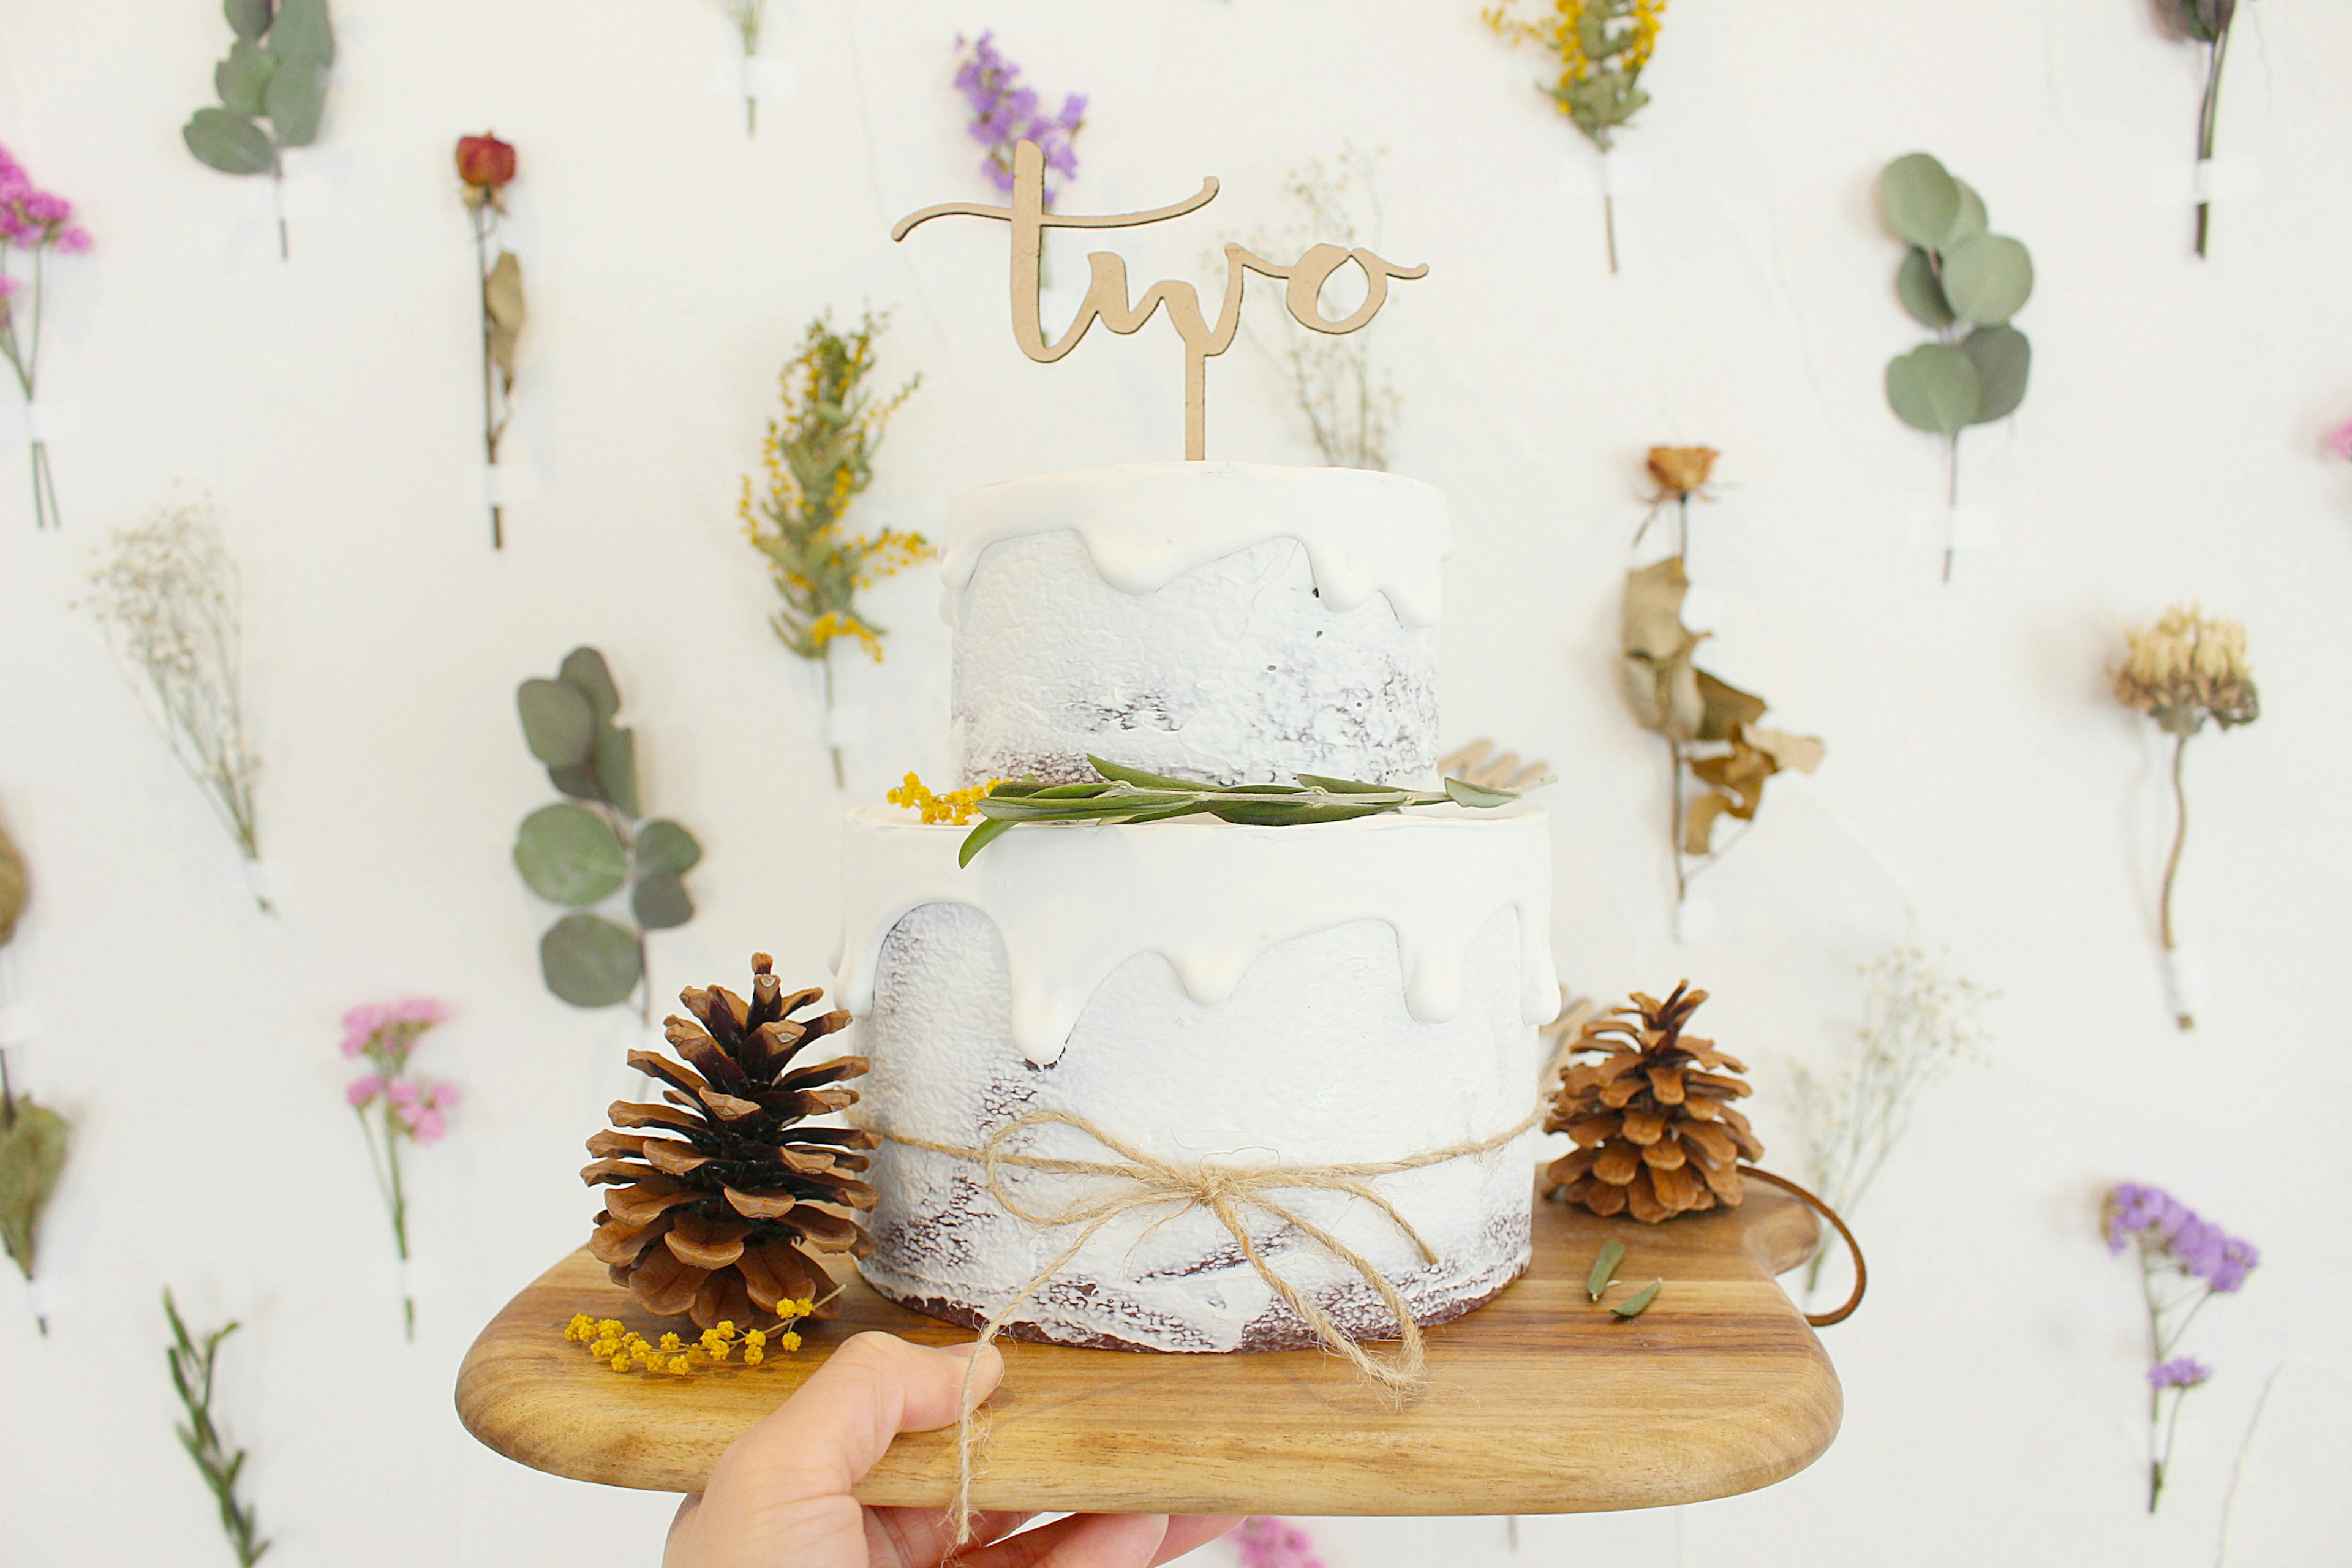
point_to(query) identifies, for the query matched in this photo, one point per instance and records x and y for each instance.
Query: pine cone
(720, 1219)
(1655, 1135)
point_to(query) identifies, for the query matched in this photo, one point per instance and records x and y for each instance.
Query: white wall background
(1982, 790)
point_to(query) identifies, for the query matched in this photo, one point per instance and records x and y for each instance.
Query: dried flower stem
(749, 16)
(2209, 112)
(383, 1160)
(494, 418)
(192, 1377)
(24, 360)
(2172, 867)
(1952, 499)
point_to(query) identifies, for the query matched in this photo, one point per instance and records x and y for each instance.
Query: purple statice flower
(1265, 1542)
(2168, 1229)
(2339, 441)
(2180, 1372)
(1005, 112)
(419, 1103)
(365, 1026)
(32, 218)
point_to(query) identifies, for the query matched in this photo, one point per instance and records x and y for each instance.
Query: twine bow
(1231, 1192)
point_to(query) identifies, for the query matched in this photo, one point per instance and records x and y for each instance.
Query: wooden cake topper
(1107, 297)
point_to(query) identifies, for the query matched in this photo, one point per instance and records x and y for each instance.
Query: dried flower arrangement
(1681, 474)
(1964, 284)
(486, 166)
(1130, 794)
(1603, 47)
(819, 457)
(276, 70)
(36, 222)
(1350, 408)
(1918, 1023)
(165, 594)
(1709, 726)
(2206, 22)
(407, 1109)
(33, 1142)
(751, 18)
(722, 1209)
(622, 1349)
(192, 1364)
(2185, 669)
(2184, 1262)
(1006, 112)
(582, 851)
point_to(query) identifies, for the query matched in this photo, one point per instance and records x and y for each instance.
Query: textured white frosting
(1235, 671)
(1147, 524)
(1072, 902)
(1310, 1059)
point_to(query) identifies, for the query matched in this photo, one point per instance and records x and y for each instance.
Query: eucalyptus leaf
(1988, 279)
(2003, 359)
(585, 668)
(1604, 1269)
(660, 901)
(1969, 221)
(569, 855)
(32, 1156)
(557, 721)
(578, 781)
(303, 32)
(616, 768)
(1920, 199)
(1934, 388)
(247, 18)
(243, 79)
(229, 143)
(14, 888)
(589, 962)
(296, 100)
(663, 845)
(1917, 286)
(1634, 1306)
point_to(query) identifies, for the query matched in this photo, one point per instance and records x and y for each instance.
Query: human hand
(779, 1498)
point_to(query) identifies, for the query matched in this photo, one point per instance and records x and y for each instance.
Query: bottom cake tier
(1185, 998)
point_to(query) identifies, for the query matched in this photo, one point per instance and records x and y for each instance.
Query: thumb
(823, 1439)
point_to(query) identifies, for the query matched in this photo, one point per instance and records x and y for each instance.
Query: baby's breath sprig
(818, 457)
(957, 806)
(625, 1350)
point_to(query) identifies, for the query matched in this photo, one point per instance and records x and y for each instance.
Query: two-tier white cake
(1339, 993)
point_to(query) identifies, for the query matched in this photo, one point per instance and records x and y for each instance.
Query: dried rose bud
(486, 164)
(1682, 470)
(2188, 668)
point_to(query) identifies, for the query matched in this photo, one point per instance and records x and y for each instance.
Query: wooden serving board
(1540, 1402)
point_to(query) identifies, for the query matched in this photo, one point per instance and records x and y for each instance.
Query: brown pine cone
(1655, 1133)
(716, 1212)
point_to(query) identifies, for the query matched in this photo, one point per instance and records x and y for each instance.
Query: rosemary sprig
(192, 1378)
(1130, 794)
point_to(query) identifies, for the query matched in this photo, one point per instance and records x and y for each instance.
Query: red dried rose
(486, 164)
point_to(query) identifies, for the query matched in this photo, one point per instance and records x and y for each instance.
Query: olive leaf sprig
(1130, 794)
(276, 70)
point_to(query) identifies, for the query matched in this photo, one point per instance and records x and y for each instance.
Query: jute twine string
(1232, 1194)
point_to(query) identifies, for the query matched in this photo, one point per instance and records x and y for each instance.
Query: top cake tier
(1232, 622)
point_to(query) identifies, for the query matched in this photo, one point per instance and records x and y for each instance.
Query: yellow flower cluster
(625, 1350)
(958, 805)
(1563, 33)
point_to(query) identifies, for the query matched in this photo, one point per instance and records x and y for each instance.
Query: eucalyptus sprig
(1130, 794)
(276, 70)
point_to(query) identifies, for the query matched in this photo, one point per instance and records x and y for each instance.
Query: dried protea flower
(1681, 470)
(2187, 669)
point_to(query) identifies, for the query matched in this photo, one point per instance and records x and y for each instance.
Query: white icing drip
(1146, 524)
(1074, 902)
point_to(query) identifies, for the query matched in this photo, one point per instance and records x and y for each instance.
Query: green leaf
(660, 901)
(982, 837)
(1634, 1306)
(616, 768)
(1933, 388)
(1969, 221)
(569, 855)
(302, 32)
(1461, 792)
(229, 143)
(296, 100)
(577, 781)
(1343, 787)
(1273, 813)
(13, 888)
(243, 79)
(247, 18)
(585, 668)
(589, 962)
(1604, 1269)
(1920, 292)
(2003, 359)
(1117, 774)
(1920, 199)
(557, 721)
(32, 1155)
(1988, 279)
(664, 845)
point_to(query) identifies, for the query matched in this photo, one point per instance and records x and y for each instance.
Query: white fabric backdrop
(1981, 790)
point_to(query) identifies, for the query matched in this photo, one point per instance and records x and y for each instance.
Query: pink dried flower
(2339, 441)
(364, 1090)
